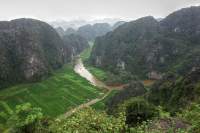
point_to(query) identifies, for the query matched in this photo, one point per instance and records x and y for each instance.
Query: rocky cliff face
(148, 48)
(184, 23)
(29, 50)
(75, 44)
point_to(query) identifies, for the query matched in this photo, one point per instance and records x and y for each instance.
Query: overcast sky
(49, 10)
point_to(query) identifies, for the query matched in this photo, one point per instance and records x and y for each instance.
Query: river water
(83, 72)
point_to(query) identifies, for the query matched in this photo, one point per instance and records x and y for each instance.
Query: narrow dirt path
(91, 102)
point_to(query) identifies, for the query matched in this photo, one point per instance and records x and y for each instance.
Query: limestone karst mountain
(29, 50)
(148, 48)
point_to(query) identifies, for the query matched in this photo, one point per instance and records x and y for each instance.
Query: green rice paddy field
(55, 95)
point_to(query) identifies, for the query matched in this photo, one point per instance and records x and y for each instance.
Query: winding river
(83, 72)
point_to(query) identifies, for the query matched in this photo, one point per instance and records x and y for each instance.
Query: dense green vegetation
(134, 89)
(139, 110)
(192, 115)
(28, 119)
(176, 92)
(90, 121)
(56, 95)
(176, 98)
(25, 118)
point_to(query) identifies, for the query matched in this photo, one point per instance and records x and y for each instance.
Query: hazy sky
(89, 9)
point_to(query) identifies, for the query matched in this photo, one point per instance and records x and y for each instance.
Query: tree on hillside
(26, 119)
(139, 110)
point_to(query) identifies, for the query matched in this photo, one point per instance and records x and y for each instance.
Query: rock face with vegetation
(176, 92)
(29, 50)
(133, 90)
(148, 48)
(75, 44)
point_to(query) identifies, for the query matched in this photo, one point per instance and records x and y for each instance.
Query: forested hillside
(148, 48)
(176, 92)
(75, 44)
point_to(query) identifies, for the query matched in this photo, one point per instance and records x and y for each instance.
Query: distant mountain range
(90, 31)
(75, 24)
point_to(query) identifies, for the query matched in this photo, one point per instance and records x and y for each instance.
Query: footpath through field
(91, 102)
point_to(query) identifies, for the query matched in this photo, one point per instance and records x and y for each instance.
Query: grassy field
(101, 104)
(97, 72)
(55, 95)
